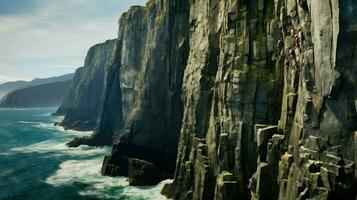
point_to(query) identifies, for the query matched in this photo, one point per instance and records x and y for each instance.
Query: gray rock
(202, 79)
(226, 99)
(83, 103)
(143, 107)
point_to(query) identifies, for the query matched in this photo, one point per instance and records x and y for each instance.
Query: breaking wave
(88, 172)
(76, 169)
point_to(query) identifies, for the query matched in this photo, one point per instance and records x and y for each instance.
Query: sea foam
(82, 165)
(52, 127)
(58, 148)
(87, 172)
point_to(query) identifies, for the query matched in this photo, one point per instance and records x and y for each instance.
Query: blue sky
(43, 38)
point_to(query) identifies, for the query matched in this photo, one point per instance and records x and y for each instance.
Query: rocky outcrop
(153, 50)
(83, 103)
(261, 121)
(46, 95)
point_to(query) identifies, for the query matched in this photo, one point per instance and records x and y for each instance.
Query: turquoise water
(36, 164)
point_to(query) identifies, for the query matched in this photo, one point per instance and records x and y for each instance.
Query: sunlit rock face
(257, 127)
(152, 55)
(257, 98)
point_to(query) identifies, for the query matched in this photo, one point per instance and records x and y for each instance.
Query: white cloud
(55, 31)
(9, 24)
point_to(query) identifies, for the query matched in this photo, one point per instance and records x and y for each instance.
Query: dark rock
(234, 91)
(76, 142)
(141, 172)
(83, 103)
(167, 190)
(152, 54)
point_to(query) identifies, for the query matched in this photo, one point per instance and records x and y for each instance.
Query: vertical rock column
(122, 85)
(231, 84)
(318, 111)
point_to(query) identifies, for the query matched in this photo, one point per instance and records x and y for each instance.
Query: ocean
(36, 164)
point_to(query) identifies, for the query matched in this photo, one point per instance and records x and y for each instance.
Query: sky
(45, 38)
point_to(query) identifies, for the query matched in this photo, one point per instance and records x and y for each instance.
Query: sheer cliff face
(82, 104)
(257, 112)
(230, 85)
(153, 49)
(255, 126)
(321, 155)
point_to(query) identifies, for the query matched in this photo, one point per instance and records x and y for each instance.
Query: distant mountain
(45, 95)
(7, 87)
(10, 86)
(40, 81)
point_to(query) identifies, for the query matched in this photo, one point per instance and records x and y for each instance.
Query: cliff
(46, 95)
(261, 121)
(82, 104)
(153, 48)
(138, 104)
(257, 99)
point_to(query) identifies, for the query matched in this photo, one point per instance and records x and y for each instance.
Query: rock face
(261, 125)
(230, 85)
(46, 95)
(82, 105)
(139, 102)
(257, 98)
(153, 50)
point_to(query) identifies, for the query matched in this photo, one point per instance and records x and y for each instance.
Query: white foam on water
(45, 115)
(27, 122)
(84, 166)
(150, 192)
(56, 118)
(73, 132)
(62, 130)
(57, 144)
(88, 172)
(15, 109)
(51, 126)
(59, 148)
(75, 171)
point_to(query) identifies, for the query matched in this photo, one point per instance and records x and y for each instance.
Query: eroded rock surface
(82, 105)
(257, 98)
(152, 54)
(256, 126)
